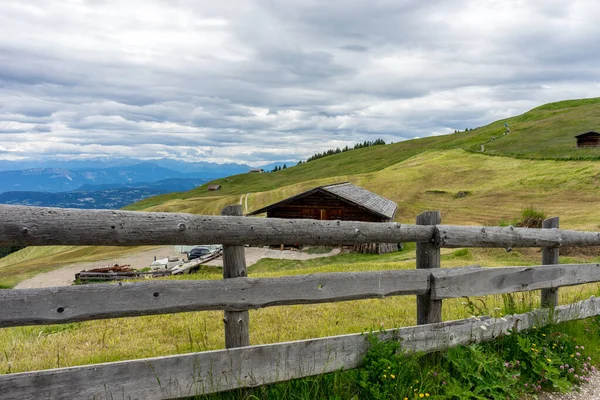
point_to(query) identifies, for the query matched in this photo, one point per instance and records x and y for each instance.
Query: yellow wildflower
(549, 360)
(421, 395)
(385, 376)
(392, 376)
(426, 394)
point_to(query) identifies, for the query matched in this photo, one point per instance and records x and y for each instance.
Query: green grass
(42, 347)
(317, 250)
(554, 358)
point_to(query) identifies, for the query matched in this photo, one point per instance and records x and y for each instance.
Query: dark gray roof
(590, 133)
(351, 193)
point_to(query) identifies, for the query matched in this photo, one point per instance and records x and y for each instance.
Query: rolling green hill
(546, 132)
(536, 165)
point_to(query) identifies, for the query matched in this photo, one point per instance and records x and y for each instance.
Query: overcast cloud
(262, 81)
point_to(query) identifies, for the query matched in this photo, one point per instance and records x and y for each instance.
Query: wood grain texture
(212, 371)
(549, 297)
(429, 310)
(508, 237)
(83, 303)
(464, 282)
(236, 323)
(40, 226)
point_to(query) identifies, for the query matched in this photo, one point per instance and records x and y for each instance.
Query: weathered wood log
(428, 258)
(465, 282)
(83, 303)
(508, 237)
(213, 371)
(549, 297)
(236, 323)
(41, 226)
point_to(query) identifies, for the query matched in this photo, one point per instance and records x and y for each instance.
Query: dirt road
(65, 276)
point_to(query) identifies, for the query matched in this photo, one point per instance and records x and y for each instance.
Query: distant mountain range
(61, 176)
(106, 196)
(104, 183)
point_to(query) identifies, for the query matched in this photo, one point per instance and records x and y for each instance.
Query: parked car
(198, 252)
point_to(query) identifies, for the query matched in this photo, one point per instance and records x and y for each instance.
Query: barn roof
(350, 193)
(590, 133)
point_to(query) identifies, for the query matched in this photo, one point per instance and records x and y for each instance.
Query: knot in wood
(181, 226)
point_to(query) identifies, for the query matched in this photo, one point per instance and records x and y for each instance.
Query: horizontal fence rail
(41, 226)
(214, 371)
(83, 303)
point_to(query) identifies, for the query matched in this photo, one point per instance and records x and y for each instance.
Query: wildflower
(543, 334)
(577, 354)
(406, 398)
(389, 367)
(549, 360)
(421, 395)
(562, 367)
(426, 394)
(384, 376)
(444, 382)
(393, 376)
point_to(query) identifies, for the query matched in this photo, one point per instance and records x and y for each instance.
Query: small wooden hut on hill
(588, 139)
(342, 201)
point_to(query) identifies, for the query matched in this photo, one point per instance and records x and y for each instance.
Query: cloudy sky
(261, 81)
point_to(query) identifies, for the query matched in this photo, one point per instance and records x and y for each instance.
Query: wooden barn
(588, 139)
(214, 188)
(342, 201)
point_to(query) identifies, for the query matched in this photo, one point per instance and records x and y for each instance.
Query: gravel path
(65, 276)
(589, 391)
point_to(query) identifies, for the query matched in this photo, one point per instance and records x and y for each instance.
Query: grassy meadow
(42, 347)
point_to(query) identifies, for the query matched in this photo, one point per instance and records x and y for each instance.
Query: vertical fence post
(428, 256)
(550, 256)
(234, 265)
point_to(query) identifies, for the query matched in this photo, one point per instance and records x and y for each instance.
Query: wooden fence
(242, 365)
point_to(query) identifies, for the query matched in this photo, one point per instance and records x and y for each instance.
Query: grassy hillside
(496, 188)
(546, 132)
(536, 165)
